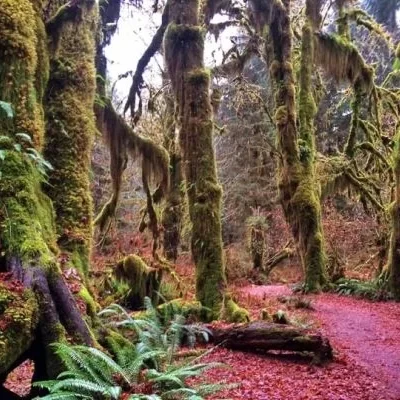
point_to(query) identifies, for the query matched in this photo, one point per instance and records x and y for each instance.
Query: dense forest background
(171, 171)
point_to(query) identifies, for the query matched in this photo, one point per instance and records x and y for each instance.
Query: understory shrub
(146, 368)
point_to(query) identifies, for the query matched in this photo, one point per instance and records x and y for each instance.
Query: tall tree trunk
(36, 306)
(394, 252)
(184, 54)
(174, 202)
(70, 127)
(299, 192)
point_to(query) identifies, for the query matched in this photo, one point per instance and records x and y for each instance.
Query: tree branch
(144, 61)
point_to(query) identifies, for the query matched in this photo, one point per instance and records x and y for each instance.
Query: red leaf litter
(365, 337)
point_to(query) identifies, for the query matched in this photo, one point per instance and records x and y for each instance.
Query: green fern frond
(66, 396)
(103, 360)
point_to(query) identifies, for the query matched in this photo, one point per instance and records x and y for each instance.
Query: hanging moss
(343, 62)
(122, 141)
(70, 130)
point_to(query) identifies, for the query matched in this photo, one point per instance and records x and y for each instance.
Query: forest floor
(364, 336)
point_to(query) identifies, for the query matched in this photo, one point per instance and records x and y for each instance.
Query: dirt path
(368, 333)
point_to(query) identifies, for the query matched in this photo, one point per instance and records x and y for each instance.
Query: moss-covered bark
(25, 212)
(70, 128)
(174, 201)
(37, 307)
(19, 316)
(184, 52)
(299, 192)
(143, 281)
(394, 252)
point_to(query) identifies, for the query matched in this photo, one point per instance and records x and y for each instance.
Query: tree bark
(36, 305)
(70, 128)
(184, 53)
(299, 194)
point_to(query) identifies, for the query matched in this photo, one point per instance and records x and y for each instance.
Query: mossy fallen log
(261, 336)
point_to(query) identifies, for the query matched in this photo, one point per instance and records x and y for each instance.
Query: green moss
(26, 214)
(19, 65)
(281, 116)
(142, 280)
(70, 132)
(307, 213)
(91, 304)
(199, 77)
(19, 314)
(189, 35)
(184, 55)
(191, 310)
(234, 313)
(396, 65)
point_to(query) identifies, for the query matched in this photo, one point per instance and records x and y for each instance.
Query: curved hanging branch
(341, 59)
(154, 46)
(123, 140)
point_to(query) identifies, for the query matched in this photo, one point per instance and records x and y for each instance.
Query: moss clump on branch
(342, 61)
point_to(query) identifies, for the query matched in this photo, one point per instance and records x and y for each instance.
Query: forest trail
(364, 331)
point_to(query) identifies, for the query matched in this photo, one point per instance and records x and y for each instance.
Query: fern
(92, 374)
(372, 290)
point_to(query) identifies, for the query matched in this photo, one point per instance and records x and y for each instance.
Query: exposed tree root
(39, 309)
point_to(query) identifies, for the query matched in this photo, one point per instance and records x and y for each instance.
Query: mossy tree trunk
(394, 252)
(36, 305)
(184, 52)
(70, 128)
(174, 202)
(299, 192)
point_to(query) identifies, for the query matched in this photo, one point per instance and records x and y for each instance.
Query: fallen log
(263, 336)
(277, 258)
